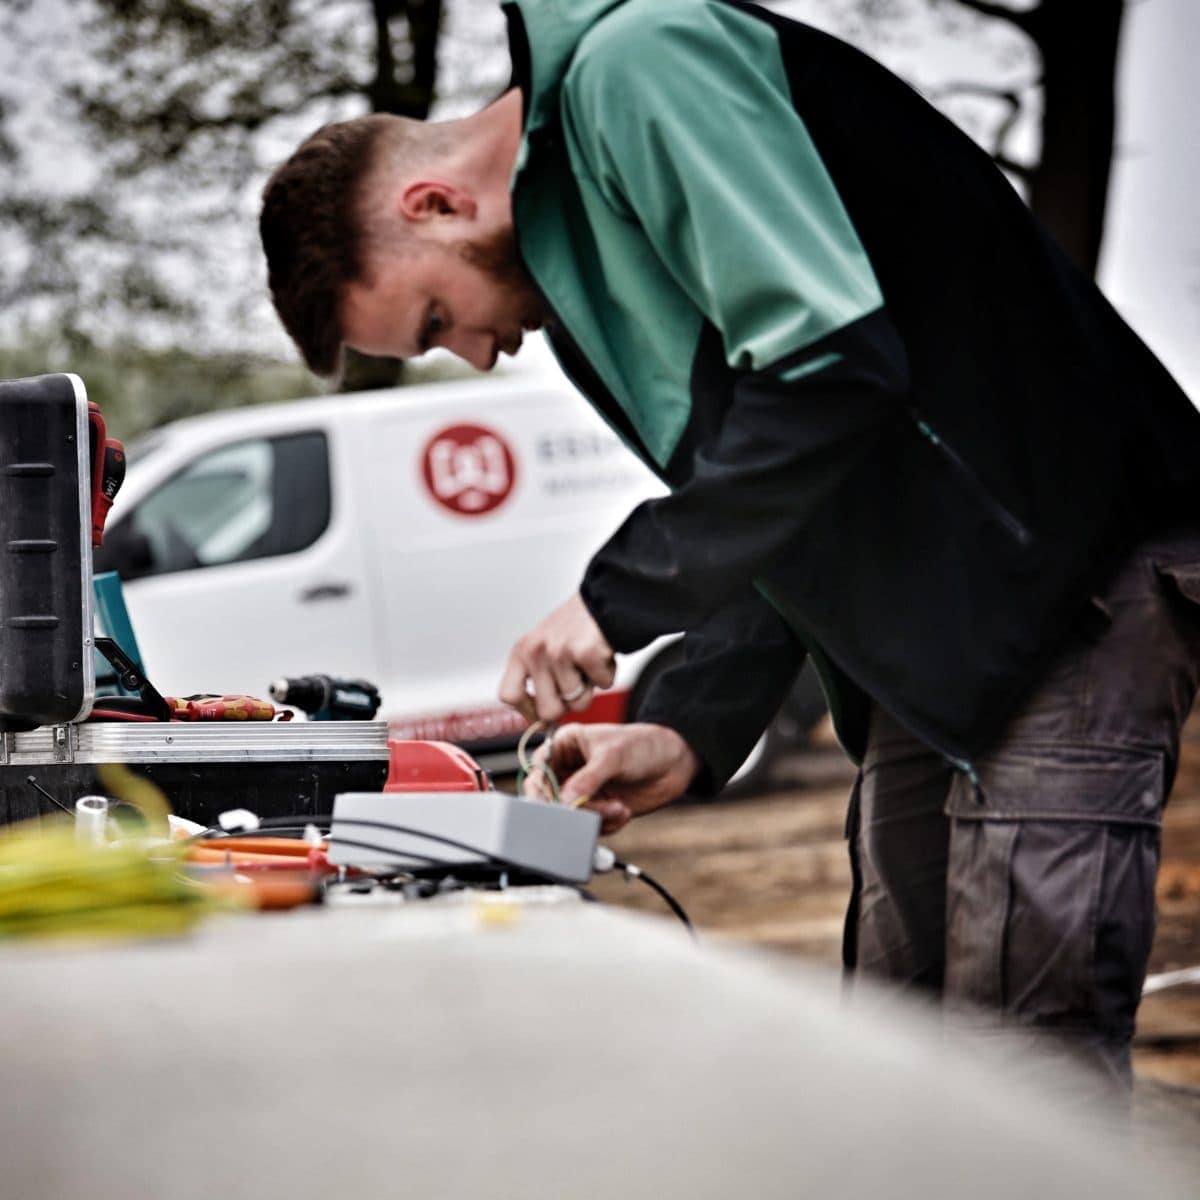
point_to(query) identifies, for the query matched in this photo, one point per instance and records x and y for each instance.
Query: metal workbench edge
(264, 742)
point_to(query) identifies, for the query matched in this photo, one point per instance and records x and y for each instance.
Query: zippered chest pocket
(971, 481)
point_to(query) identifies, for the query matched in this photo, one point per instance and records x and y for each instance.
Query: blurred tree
(1041, 66)
(196, 82)
(1077, 42)
(185, 105)
(180, 81)
(139, 388)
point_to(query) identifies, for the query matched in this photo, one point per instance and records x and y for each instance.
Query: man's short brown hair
(314, 240)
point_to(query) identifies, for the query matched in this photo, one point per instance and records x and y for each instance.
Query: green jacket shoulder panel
(666, 181)
(635, 327)
(554, 29)
(681, 112)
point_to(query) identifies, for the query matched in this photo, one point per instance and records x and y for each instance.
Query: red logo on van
(468, 469)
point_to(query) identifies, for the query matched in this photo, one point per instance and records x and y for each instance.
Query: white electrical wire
(526, 767)
(1170, 979)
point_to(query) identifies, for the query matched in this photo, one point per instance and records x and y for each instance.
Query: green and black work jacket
(900, 430)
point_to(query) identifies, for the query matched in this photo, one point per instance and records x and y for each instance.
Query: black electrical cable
(280, 824)
(425, 835)
(275, 824)
(635, 872)
(558, 880)
(215, 833)
(297, 822)
(326, 819)
(37, 787)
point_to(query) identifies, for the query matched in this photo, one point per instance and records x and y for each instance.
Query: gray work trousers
(1025, 887)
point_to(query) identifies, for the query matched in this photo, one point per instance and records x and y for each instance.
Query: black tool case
(273, 768)
(46, 670)
(49, 447)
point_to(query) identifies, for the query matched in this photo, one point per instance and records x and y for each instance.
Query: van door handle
(325, 591)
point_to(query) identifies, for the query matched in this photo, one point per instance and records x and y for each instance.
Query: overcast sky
(1151, 264)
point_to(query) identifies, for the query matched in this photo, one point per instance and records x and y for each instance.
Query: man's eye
(435, 323)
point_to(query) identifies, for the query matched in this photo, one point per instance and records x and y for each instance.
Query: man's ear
(427, 199)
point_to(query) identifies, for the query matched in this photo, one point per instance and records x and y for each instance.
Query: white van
(405, 536)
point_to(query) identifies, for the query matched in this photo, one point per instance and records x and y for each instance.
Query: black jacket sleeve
(683, 122)
(735, 673)
(790, 435)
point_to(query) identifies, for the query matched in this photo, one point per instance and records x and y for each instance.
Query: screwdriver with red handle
(108, 470)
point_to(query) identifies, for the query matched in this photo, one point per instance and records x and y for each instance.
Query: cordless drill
(326, 698)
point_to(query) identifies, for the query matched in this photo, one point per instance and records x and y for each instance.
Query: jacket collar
(543, 35)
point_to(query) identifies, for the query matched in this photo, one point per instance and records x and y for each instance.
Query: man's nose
(477, 348)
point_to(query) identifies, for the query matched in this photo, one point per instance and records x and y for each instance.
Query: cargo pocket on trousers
(977, 902)
(1050, 889)
(1182, 578)
(1181, 583)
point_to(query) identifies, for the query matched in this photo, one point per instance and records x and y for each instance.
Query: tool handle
(133, 680)
(104, 490)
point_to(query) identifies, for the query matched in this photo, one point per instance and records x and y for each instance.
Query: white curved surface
(577, 1053)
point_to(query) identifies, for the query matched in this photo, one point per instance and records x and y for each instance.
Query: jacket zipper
(976, 486)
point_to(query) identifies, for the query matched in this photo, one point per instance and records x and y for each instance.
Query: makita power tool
(327, 698)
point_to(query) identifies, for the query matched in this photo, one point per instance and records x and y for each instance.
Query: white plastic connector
(312, 836)
(91, 820)
(238, 820)
(182, 827)
(603, 860)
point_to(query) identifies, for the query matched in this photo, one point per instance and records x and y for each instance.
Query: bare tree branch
(1023, 171)
(970, 87)
(1011, 99)
(1005, 128)
(1024, 19)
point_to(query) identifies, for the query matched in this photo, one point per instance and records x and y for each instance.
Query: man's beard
(498, 258)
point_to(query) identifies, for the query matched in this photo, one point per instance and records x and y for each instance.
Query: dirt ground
(772, 870)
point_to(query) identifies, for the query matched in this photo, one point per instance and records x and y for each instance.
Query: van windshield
(145, 444)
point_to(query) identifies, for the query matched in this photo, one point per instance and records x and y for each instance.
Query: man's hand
(625, 770)
(558, 664)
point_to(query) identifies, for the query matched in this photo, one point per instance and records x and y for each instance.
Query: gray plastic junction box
(408, 829)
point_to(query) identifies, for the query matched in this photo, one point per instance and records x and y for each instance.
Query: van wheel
(753, 774)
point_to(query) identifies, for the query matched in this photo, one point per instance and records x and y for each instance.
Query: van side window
(253, 499)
